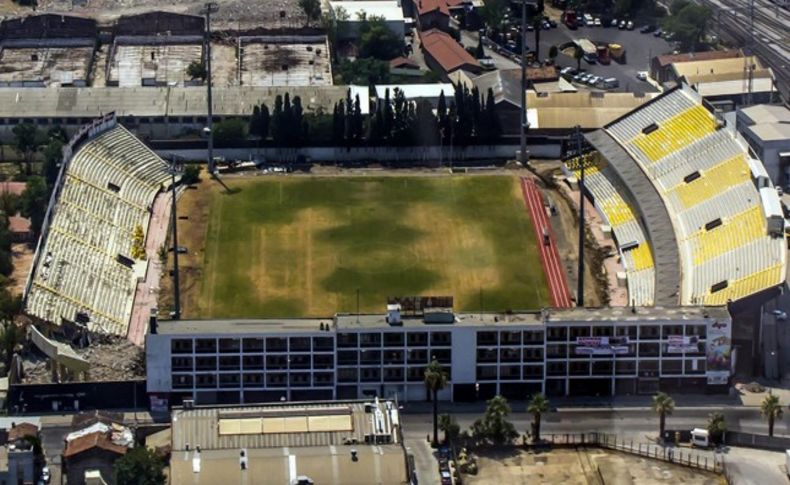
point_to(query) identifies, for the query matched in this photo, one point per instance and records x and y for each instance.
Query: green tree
(263, 122)
(311, 9)
(11, 335)
(366, 72)
(435, 380)
(191, 175)
(480, 52)
(139, 466)
(26, 141)
(771, 410)
(425, 129)
(197, 70)
(493, 13)
(717, 426)
(536, 407)
(449, 427)
(442, 116)
(688, 23)
(277, 120)
(553, 53)
(376, 40)
(230, 130)
(494, 427)
(34, 202)
(663, 405)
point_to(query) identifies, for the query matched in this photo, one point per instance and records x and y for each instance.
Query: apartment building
(601, 352)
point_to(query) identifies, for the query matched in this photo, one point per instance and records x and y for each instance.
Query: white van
(700, 438)
(588, 20)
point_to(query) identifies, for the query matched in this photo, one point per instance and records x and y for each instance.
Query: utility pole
(580, 287)
(176, 284)
(208, 9)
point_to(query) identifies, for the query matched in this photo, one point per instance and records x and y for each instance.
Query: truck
(570, 19)
(603, 54)
(617, 53)
(589, 50)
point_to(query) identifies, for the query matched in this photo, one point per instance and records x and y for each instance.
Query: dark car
(658, 33)
(647, 29)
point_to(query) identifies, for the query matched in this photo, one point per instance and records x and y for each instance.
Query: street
(639, 424)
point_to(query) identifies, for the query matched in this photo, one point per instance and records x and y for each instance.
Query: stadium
(293, 259)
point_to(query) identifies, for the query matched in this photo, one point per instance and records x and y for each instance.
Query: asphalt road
(637, 424)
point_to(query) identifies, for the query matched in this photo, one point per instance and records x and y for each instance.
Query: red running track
(558, 284)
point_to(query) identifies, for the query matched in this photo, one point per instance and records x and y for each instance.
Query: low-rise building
(767, 130)
(446, 56)
(328, 442)
(350, 14)
(414, 92)
(17, 457)
(661, 66)
(603, 351)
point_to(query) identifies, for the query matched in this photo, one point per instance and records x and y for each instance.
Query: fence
(648, 450)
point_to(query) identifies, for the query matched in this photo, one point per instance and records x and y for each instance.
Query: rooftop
(713, 70)
(697, 56)
(46, 66)
(411, 91)
(161, 65)
(20, 430)
(771, 131)
(286, 61)
(446, 51)
(98, 439)
(767, 113)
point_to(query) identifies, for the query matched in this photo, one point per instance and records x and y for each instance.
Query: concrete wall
(157, 364)
(382, 154)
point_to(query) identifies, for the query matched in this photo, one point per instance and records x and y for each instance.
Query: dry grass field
(304, 245)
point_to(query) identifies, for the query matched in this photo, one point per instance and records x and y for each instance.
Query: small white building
(349, 14)
(413, 92)
(767, 130)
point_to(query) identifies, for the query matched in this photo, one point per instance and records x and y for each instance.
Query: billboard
(678, 344)
(718, 350)
(601, 345)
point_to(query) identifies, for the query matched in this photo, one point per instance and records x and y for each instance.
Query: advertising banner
(677, 344)
(601, 345)
(718, 351)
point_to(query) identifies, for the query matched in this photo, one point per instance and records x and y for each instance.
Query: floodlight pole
(208, 9)
(580, 279)
(176, 283)
(523, 154)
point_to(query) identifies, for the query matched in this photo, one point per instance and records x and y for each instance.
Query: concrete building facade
(767, 130)
(559, 352)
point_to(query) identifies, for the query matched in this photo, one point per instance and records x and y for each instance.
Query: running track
(558, 284)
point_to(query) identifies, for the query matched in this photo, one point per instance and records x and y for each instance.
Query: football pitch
(295, 246)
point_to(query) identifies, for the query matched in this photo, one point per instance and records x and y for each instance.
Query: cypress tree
(492, 120)
(358, 122)
(298, 121)
(255, 120)
(287, 124)
(264, 122)
(387, 115)
(277, 120)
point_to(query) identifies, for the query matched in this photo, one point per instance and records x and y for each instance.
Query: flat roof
(286, 64)
(734, 87)
(718, 69)
(47, 65)
(771, 131)
(487, 319)
(390, 10)
(163, 64)
(767, 113)
(161, 101)
(411, 91)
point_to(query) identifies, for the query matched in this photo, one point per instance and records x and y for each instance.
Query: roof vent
(650, 128)
(393, 314)
(243, 459)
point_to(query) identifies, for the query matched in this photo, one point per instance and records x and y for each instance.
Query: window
(393, 374)
(370, 357)
(370, 340)
(579, 368)
(510, 372)
(300, 379)
(276, 379)
(415, 374)
(182, 382)
(181, 363)
(276, 344)
(417, 356)
(253, 344)
(510, 355)
(347, 340)
(648, 349)
(486, 355)
(671, 366)
(229, 362)
(206, 380)
(229, 380)
(323, 344)
(487, 372)
(322, 378)
(625, 367)
(668, 330)
(440, 339)
(556, 350)
(205, 346)
(533, 354)
(555, 368)
(603, 331)
(416, 339)
(392, 339)
(299, 361)
(698, 330)
(347, 375)
(577, 332)
(229, 345)
(206, 363)
(252, 380)
(648, 332)
(557, 334)
(602, 368)
(347, 357)
(299, 344)
(393, 357)
(370, 374)
(626, 331)
(533, 337)
(444, 356)
(533, 371)
(276, 362)
(252, 362)
(510, 338)
(323, 361)
(487, 338)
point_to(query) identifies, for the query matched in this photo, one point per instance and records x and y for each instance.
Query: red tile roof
(428, 6)
(98, 439)
(12, 187)
(446, 51)
(404, 62)
(19, 224)
(20, 430)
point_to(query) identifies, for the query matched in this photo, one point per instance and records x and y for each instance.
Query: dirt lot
(22, 258)
(582, 467)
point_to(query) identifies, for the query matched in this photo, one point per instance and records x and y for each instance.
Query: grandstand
(682, 192)
(84, 271)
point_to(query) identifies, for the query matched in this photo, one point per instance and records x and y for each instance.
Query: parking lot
(640, 48)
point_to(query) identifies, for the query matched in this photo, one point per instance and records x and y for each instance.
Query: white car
(642, 75)
(45, 475)
(597, 21)
(780, 315)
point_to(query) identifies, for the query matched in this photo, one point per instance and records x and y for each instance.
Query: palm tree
(537, 406)
(449, 426)
(717, 426)
(578, 54)
(663, 405)
(537, 24)
(435, 381)
(771, 409)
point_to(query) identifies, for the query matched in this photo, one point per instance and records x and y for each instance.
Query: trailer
(617, 53)
(589, 49)
(603, 54)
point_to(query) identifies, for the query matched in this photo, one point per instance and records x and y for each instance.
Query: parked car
(614, 23)
(568, 71)
(546, 25)
(658, 33)
(592, 80)
(552, 23)
(647, 29)
(621, 25)
(642, 75)
(577, 78)
(597, 21)
(629, 25)
(780, 314)
(46, 476)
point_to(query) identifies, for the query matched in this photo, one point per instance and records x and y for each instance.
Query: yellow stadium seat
(738, 231)
(713, 181)
(675, 133)
(616, 210)
(746, 286)
(643, 257)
